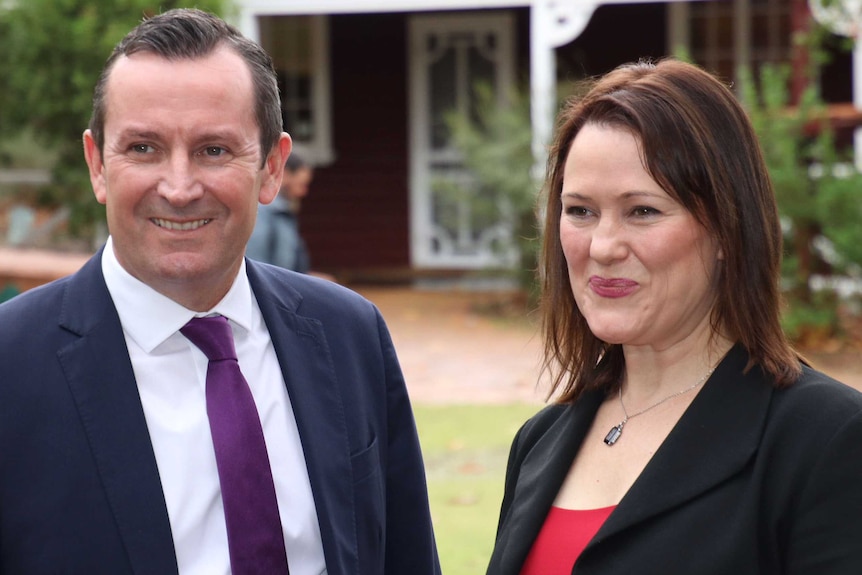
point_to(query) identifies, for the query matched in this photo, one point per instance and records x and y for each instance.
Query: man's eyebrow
(209, 135)
(134, 133)
(217, 135)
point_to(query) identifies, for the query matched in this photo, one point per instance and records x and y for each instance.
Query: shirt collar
(150, 318)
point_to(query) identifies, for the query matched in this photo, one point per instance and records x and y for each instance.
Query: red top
(563, 537)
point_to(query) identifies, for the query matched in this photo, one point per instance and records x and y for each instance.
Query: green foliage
(818, 196)
(465, 448)
(53, 51)
(781, 131)
(23, 152)
(8, 292)
(495, 145)
(809, 321)
(839, 211)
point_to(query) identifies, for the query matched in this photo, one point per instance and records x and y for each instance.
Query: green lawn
(465, 449)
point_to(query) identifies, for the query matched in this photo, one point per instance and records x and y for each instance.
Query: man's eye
(142, 148)
(214, 151)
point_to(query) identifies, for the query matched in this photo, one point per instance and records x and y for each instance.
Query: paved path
(450, 353)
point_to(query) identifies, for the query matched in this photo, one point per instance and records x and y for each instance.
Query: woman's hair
(189, 34)
(699, 146)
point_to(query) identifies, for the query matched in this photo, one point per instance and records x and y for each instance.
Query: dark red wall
(616, 34)
(356, 215)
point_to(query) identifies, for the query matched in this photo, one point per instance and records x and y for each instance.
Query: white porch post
(857, 102)
(553, 23)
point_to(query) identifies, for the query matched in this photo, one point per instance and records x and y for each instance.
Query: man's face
(181, 173)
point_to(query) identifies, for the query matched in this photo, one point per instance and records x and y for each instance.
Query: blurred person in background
(276, 239)
(686, 435)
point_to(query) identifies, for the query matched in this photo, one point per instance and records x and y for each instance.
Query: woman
(687, 436)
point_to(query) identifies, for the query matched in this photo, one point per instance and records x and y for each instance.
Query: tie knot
(212, 336)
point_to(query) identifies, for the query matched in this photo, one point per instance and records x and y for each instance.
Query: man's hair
(189, 34)
(697, 143)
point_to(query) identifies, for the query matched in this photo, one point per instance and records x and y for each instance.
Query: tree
(818, 197)
(495, 145)
(53, 51)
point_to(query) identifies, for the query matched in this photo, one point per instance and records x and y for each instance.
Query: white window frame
(319, 150)
(421, 220)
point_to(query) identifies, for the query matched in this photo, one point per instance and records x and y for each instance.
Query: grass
(465, 449)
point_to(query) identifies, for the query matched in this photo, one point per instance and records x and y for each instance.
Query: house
(367, 83)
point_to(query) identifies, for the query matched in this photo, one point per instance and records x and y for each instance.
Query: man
(109, 464)
(275, 239)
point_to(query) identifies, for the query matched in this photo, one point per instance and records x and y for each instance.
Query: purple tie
(254, 534)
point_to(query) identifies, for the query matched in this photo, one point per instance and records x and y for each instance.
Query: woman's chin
(613, 333)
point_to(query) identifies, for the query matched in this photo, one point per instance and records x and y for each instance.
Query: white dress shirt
(171, 378)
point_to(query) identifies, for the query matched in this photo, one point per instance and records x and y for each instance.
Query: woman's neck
(654, 373)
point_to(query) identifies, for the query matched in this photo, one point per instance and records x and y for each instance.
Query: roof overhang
(553, 23)
(262, 7)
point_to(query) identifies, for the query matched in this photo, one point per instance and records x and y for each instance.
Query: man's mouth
(182, 226)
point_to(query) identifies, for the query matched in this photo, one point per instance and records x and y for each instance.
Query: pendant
(614, 434)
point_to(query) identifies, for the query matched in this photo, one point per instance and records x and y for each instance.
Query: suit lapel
(100, 378)
(714, 439)
(309, 374)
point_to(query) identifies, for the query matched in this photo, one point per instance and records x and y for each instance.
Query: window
(299, 49)
(723, 35)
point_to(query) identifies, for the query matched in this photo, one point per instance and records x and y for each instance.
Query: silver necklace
(617, 430)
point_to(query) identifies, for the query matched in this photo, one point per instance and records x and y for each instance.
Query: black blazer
(751, 480)
(79, 487)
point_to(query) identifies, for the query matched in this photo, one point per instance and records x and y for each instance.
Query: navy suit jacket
(79, 487)
(751, 480)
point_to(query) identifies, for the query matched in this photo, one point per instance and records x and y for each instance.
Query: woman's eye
(577, 211)
(645, 211)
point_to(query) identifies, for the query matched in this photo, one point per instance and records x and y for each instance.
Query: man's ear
(97, 168)
(274, 169)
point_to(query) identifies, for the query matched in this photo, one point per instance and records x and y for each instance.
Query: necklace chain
(617, 430)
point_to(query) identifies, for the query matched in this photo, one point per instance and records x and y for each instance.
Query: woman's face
(640, 266)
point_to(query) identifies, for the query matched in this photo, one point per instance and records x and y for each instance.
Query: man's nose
(179, 183)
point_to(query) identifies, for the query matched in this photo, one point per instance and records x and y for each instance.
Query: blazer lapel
(100, 377)
(309, 374)
(714, 439)
(541, 474)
